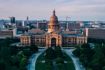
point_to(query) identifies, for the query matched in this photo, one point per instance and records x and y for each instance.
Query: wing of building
(54, 36)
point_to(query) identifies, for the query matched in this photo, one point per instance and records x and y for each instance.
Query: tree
(59, 60)
(60, 66)
(33, 48)
(77, 52)
(50, 54)
(103, 68)
(58, 52)
(2, 64)
(23, 63)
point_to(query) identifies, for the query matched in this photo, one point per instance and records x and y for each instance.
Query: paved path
(32, 60)
(34, 57)
(76, 62)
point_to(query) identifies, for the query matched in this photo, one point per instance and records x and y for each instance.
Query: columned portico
(53, 39)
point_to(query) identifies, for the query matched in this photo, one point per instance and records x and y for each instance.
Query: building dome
(53, 18)
(53, 23)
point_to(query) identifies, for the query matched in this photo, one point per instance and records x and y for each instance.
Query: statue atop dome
(54, 12)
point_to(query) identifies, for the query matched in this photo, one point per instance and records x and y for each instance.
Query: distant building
(42, 25)
(73, 26)
(70, 25)
(97, 33)
(12, 20)
(6, 34)
(54, 36)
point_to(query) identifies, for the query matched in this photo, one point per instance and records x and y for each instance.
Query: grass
(69, 65)
(66, 66)
(39, 64)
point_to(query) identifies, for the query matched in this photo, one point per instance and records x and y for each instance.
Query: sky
(42, 9)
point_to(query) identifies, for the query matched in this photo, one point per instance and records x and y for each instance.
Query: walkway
(33, 59)
(77, 64)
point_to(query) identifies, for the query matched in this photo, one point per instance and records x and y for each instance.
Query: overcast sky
(42, 9)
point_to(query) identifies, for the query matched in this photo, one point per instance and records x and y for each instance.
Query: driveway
(77, 64)
(33, 58)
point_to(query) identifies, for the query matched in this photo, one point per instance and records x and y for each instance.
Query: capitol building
(54, 36)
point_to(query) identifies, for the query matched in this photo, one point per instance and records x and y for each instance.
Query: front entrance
(53, 42)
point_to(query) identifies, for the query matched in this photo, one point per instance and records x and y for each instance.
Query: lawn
(41, 65)
(69, 65)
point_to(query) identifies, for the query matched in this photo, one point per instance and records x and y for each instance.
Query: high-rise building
(12, 20)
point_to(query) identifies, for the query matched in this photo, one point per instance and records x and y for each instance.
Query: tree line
(91, 58)
(13, 57)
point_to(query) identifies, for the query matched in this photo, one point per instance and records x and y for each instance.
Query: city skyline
(38, 9)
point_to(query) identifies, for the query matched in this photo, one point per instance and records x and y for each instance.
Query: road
(77, 64)
(33, 58)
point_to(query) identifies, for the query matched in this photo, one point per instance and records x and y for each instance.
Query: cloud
(77, 9)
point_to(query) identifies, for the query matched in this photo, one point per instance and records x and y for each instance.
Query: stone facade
(54, 36)
(51, 36)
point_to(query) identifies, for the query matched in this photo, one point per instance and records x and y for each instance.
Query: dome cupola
(53, 23)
